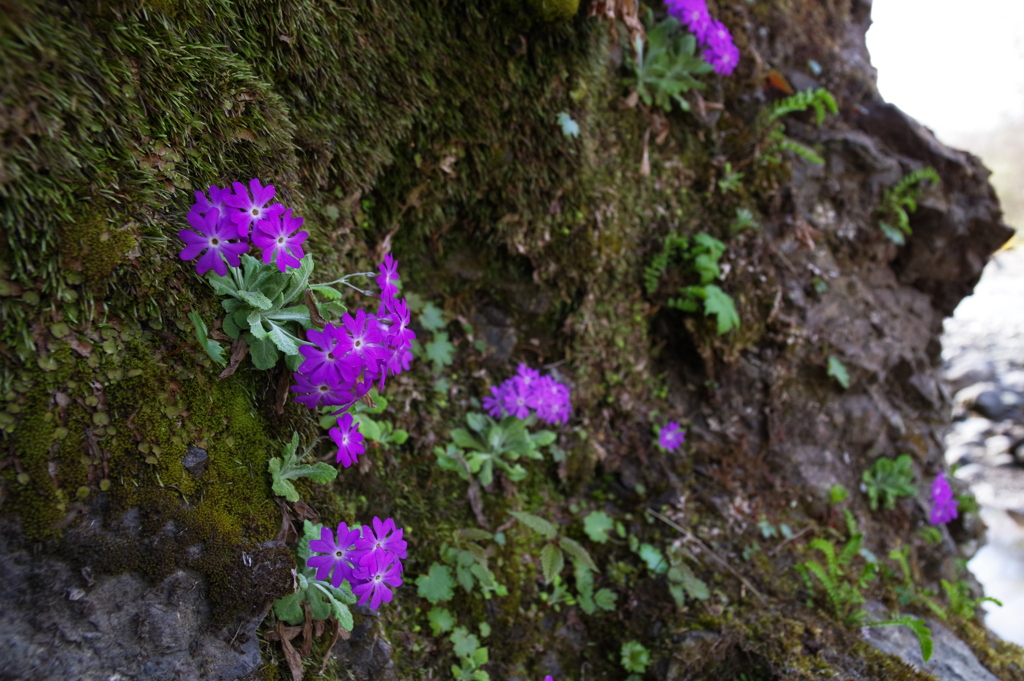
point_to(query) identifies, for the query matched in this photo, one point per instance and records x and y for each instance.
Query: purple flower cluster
(527, 391)
(370, 559)
(943, 504)
(671, 437)
(344, 362)
(222, 219)
(713, 36)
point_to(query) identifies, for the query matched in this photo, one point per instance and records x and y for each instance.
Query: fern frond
(805, 152)
(821, 100)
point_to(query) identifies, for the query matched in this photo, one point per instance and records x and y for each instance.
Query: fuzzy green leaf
(211, 347)
(605, 599)
(441, 620)
(719, 303)
(432, 318)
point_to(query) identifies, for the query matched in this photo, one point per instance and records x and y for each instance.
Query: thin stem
(310, 448)
(344, 280)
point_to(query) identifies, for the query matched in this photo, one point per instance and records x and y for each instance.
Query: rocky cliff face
(429, 130)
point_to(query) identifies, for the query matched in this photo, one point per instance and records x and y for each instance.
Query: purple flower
(943, 504)
(493, 403)
(325, 360)
(362, 340)
(251, 208)
(376, 577)
(382, 539)
(722, 54)
(515, 397)
(215, 200)
(276, 234)
(388, 279)
(551, 400)
(315, 394)
(340, 555)
(349, 440)
(694, 15)
(215, 236)
(671, 437)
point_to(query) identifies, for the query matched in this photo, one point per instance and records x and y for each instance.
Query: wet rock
(952, 659)
(497, 329)
(968, 370)
(195, 461)
(999, 405)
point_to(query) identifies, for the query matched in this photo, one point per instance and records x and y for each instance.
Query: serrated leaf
(693, 586)
(284, 488)
(719, 303)
(436, 585)
(605, 599)
(264, 354)
(837, 370)
(432, 318)
(473, 534)
(536, 523)
(289, 608)
(441, 621)
(653, 557)
(552, 560)
(282, 340)
(577, 553)
(328, 292)
(597, 525)
(465, 643)
(440, 351)
(321, 472)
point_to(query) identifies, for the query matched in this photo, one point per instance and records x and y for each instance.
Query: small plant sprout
(837, 370)
(570, 128)
(887, 480)
(899, 200)
(635, 657)
(731, 180)
(666, 66)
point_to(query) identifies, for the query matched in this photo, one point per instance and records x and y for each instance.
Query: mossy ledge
(429, 129)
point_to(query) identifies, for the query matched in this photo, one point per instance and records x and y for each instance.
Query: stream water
(983, 349)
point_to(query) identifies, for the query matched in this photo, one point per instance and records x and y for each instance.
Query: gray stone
(55, 625)
(1013, 380)
(952, 659)
(967, 370)
(999, 404)
(195, 461)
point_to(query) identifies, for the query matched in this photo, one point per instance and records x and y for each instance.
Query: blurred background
(958, 68)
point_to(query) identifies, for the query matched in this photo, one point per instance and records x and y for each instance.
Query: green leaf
(837, 370)
(635, 657)
(551, 561)
(440, 351)
(320, 472)
(654, 558)
(328, 292)
(719, 303)
(477, 422)
(441, 620)
(463, 439)
(693, 586)
(465, 643)
(211, 347)
(536, 523)
(432, 318)
(597, 525)
(368, 427)
(577, 553)
(436, 585)
(399, 436)
(605, 599)
(255, 299)
(284, 342)
(264, 354)
(542, 438)
(289, 608)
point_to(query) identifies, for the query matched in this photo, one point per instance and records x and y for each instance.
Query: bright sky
(957, 67)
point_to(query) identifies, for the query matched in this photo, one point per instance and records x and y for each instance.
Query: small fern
(901, 199)
(776, 142)
(699, 255)
(887, 480)
(843, 591)
(821, 100)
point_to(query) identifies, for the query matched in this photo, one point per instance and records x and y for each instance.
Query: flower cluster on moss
(713, 35)
(527, 391)
(370, 559)
(222, 218)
